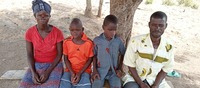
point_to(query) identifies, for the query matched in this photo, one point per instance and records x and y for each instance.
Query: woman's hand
(35, 78)
(44, 76)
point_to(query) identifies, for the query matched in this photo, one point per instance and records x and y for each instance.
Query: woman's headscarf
(39, 5)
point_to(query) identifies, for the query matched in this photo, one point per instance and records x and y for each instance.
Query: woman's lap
(52, 82)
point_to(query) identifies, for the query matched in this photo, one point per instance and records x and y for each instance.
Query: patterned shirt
(140, 54)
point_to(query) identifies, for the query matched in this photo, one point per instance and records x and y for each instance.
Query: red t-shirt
(78, 55)
(45, 50)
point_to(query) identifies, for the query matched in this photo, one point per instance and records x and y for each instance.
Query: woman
(44, 50)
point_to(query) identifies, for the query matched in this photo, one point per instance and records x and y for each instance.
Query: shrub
(195, 6)
(148, 1)
(168, 2)
(180, 2)
(188, 3)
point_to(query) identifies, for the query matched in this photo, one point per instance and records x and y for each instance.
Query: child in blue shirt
(106, 62)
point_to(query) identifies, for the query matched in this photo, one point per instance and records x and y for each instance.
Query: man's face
(157, 27)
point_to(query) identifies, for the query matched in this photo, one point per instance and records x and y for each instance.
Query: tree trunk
(100, 8)
(124, 10)
(88, 9)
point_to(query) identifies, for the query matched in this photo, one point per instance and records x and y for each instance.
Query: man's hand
(143, 85)
(154, 86)
(35, 78)
(44, 76)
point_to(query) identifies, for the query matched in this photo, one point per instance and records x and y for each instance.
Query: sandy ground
(183, 24)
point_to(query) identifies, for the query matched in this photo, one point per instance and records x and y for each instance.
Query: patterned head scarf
(39, 5)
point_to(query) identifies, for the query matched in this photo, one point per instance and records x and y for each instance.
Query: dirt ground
(183, 24)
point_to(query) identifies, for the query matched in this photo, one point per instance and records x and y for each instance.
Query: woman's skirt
(52, 82)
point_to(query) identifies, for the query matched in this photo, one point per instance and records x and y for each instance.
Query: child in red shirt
(78, 53)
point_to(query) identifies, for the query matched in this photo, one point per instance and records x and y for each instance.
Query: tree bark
(100, 8)
(88, 9)
(124, 10)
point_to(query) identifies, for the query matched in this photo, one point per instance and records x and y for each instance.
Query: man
(150, 56)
